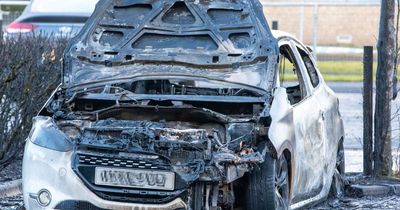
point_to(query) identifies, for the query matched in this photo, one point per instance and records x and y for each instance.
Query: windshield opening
(176, 87)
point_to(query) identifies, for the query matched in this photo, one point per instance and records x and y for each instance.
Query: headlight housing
(45, 133)
(240, 134)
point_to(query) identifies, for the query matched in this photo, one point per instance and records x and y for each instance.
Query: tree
(384, 89)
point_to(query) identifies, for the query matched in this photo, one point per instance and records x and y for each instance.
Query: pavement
(362, 192)
(346, 87)
(351, 108)
(340, 50)
(11, 188)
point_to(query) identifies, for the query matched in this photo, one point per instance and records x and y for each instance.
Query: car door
(306, 124)
(332, 126)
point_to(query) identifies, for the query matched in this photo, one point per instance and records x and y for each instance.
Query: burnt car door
(297, 121)
(332, 126)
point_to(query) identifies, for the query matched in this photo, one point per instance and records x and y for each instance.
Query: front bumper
(51, 170)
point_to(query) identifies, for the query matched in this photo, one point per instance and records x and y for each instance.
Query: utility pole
(384, 89)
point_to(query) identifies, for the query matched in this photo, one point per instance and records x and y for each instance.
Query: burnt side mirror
(280, 103)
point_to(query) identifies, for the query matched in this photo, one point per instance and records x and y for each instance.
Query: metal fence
(336, 30)
(7, 17)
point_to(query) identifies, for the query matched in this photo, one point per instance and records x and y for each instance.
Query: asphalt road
(346, 87)
(351, 108)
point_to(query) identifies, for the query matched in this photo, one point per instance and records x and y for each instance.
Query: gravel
(10, 173)
(13, 171)
(369, 202)
(15, 202)
(372, 202)
(352, 201)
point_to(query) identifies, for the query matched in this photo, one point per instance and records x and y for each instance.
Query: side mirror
(280, 104)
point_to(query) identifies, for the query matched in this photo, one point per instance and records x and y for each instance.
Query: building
(328, 23)
(321, 22)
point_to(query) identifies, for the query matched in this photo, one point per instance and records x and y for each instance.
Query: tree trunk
(384, 89)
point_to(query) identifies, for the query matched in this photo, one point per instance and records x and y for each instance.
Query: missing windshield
(164, 41)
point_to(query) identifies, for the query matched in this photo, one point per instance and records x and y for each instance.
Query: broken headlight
(240, 134)
(45, 133)
(70, 131)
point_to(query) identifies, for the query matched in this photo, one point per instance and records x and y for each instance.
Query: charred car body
(170, 104)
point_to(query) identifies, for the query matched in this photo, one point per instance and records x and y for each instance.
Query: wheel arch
(286, 150)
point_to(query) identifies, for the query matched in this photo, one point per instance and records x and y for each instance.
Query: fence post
(368, 109)
(275, 25)
(301, 27)
(315, 30)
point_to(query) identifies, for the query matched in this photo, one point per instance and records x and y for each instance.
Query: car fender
(281, 130)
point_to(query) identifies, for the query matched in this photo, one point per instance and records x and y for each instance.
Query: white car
(56, 18)
(171, 104)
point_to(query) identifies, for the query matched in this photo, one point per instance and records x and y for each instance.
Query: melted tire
(261, 187)
(337, 186)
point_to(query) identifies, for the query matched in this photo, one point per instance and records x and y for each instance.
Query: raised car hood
(224, 40)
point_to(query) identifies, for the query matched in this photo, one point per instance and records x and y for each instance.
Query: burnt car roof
(227, 40)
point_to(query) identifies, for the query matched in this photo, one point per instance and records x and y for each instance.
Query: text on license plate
(135, 178)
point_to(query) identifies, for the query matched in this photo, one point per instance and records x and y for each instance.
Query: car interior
(289, 75)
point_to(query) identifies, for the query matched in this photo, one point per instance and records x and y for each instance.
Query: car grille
(118, 162)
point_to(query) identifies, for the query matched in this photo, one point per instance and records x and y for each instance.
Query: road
(346, 87)
(351, 108)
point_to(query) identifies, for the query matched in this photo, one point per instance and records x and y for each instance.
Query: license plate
(135, 178)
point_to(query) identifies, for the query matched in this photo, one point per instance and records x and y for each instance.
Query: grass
(343, 71)
(339, 71)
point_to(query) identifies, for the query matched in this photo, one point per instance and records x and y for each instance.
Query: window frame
(300, 67)
(312, 59)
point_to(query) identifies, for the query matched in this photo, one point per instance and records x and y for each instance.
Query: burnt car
(170, 104)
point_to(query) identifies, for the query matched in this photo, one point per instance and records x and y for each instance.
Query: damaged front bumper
(69, 176)
(50, 170)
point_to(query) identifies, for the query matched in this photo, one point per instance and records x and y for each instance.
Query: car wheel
(340, 159)
(268, 186)
(337, 186)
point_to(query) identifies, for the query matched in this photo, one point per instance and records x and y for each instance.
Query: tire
(337, 186)
(340, 159)
(268, 186)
